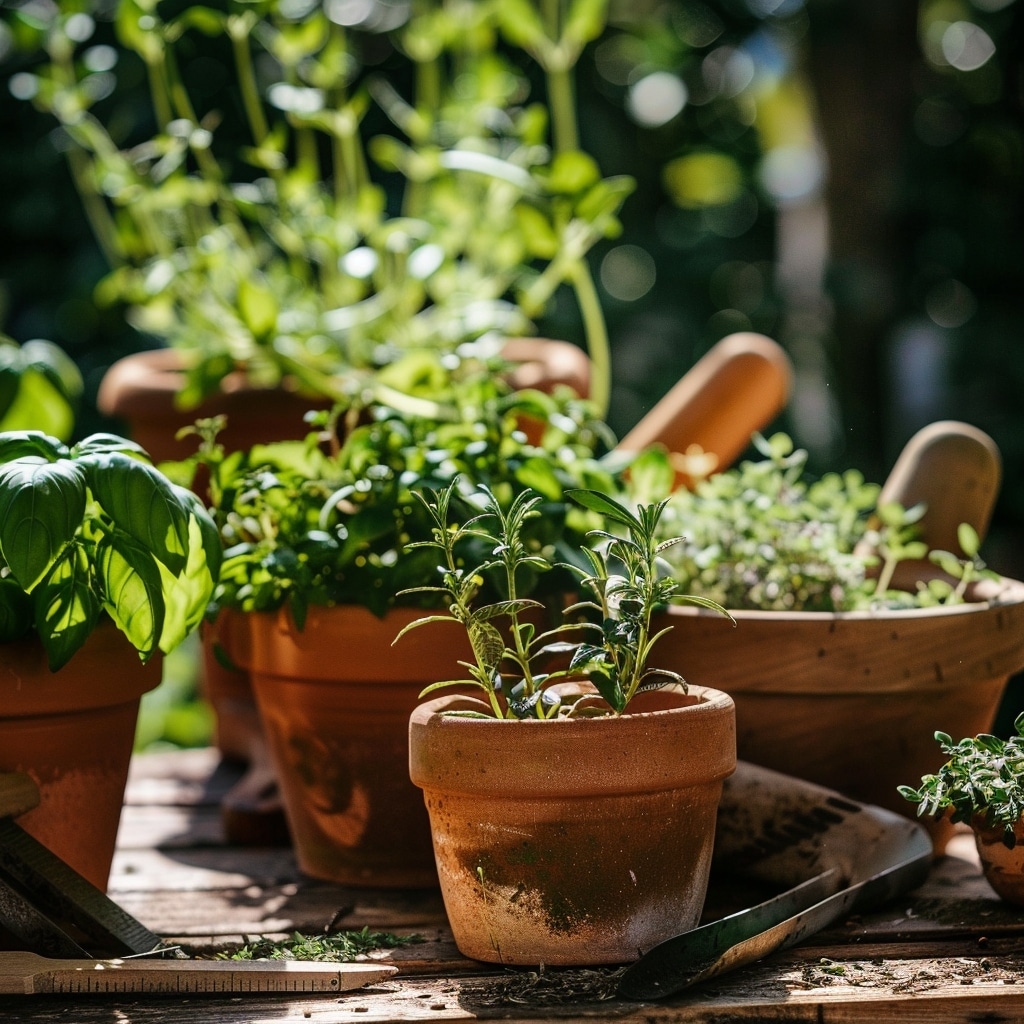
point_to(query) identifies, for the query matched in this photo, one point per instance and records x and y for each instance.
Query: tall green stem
(561, 97)
(596, 332)
(247, 83)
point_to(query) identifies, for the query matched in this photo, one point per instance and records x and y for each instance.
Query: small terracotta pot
(334, 699)
(1003, 867)
(73, 732)
(575, 841)
(852, 700)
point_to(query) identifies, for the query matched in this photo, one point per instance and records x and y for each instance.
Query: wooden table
(948, 952)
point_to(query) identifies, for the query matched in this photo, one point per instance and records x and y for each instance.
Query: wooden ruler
(29, 974)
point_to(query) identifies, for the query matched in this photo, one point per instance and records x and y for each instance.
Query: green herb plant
(327, 521)
(512, 652)
(311, 222)
(95, 529)
(763, 535)
(981, 783)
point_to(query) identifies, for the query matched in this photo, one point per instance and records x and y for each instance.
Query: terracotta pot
(852, 700)
(1003, 867)
(334, 700)
(73, 731)
(141, 389)
(576, 841)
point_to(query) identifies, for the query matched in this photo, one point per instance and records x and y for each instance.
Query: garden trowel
(775, 828)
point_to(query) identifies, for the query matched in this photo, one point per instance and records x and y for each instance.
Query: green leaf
(608, 507)
(487, 643)
(66, 607)
(187, 595)
(15, 444)
(143, 503)
(133, 590)
(101, 442)
(539, 475)
(42, 505)
(967, 538)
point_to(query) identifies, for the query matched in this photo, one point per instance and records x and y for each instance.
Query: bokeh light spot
(703, 179)
(656, 98)
(628, 273)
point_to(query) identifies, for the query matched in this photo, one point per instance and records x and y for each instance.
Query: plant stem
(247, 82)
(596, 331)
(561, 97)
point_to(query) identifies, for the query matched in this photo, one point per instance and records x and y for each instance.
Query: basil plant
(96, 529)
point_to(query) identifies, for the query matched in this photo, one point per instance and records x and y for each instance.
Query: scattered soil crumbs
(546, 987)
(903, 976)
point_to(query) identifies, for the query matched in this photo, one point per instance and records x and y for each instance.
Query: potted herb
(305, 227)
(866, 617)
(982, 784)
(316, 583)
(572, 807)
(104, 565)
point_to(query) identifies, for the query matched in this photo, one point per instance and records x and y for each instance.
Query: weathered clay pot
(72, 731)
(334, 699)
(141, 389)
(1003, 867)
(575, 841)
(852, 700)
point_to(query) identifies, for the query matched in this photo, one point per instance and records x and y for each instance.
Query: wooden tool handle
(27, 974)
(955, 470)
(738, 387)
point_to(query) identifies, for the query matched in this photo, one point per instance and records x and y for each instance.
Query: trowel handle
(736, 388)
(955, 470)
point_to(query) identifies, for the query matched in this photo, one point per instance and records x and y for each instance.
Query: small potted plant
(982, 784)
(862, 609)
(315, 584)
(104, 565)
(572, 823)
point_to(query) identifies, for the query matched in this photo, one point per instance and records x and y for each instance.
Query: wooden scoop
(736, 388)
(955, 470)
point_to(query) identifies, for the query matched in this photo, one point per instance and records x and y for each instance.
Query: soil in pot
(576, 841)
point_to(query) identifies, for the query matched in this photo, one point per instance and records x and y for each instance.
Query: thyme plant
(764, 535)
(982, 782)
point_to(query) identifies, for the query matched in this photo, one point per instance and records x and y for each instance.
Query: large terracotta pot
(334, 699)
(72, 731)
(575, 841)
(852, 700)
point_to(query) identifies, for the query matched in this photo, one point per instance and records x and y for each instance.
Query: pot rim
(1004, 592)
(693, 743)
